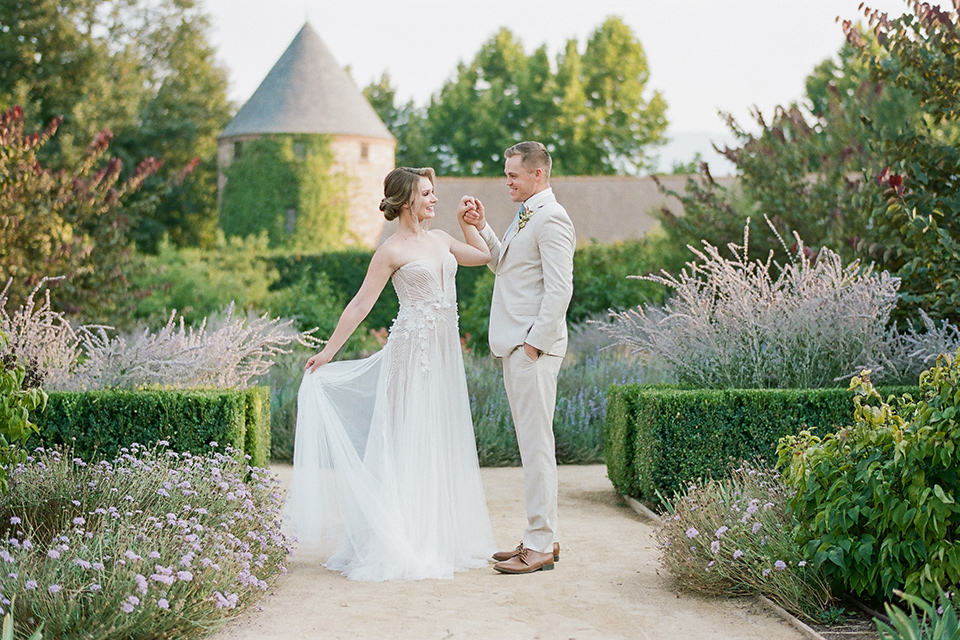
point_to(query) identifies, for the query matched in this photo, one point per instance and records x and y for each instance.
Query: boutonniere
(524, 216)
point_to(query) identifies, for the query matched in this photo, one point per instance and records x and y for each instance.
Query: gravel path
(607, 585)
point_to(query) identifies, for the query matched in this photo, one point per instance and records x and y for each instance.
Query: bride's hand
(316, 362)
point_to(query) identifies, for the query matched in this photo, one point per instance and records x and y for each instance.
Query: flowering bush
(229, 350)
(154, 544)
(741, 323)
(734, 537)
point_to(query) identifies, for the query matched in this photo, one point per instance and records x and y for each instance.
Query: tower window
(364, 151)
(237, 150)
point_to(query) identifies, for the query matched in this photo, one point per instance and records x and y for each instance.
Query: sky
(704, 56)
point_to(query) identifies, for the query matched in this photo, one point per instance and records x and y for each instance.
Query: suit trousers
(532, 391)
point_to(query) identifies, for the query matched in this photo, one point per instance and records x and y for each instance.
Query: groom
(528, 332)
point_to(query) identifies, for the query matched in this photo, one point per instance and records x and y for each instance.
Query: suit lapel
(510, 236)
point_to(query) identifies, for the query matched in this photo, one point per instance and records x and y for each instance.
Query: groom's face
(522, 183)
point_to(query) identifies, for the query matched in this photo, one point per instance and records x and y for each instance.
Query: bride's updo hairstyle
(402, 187)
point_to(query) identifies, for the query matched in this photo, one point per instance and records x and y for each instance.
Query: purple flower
(692, 533)
(6, 555)
(95, 587)
(715, 546)
(31, 585)
(737, 554)
(722, 530)
(53, 553)
(779, 565)
(766, 572)
(80, 562)
(127, 607)
(54, 588)
(79, 521)
(802, 563)
(14, 520)
(163, 604)
(756, 526)
(186, 576)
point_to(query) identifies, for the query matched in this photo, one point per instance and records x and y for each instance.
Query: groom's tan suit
(534, 283)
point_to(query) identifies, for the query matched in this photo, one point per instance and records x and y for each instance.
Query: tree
(600, 119)
(70, 221)
(407, 123)
(282, 185)
(142, 69)
(913, 200)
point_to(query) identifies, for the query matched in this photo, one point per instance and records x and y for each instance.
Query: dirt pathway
(607, 585)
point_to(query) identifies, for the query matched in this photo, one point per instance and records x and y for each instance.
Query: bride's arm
(378, 273)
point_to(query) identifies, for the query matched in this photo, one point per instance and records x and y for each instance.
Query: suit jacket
(534, 283)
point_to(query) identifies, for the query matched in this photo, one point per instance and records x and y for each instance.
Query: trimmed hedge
(657, 439)
(96, 424)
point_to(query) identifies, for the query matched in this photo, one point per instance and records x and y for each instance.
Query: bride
(385, 472)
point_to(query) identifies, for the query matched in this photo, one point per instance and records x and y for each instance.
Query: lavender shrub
(737, 323)
(735, 537)
(154, 544)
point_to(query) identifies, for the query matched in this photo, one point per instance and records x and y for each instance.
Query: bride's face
(424, 202)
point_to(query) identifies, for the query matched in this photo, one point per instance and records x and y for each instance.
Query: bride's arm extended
(378, 273)
(474, 251)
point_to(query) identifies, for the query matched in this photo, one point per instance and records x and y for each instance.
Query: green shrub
(878, 500)
(659, 439)
(199, 282)
(97, 424)
(17, 400)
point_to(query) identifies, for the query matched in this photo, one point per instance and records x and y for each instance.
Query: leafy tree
(142, 69)
(406, 122)
(282, 185)
(913, 201)
(70, 221)
(867, 167)
(600, 117)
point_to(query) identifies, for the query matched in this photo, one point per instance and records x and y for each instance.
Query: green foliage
(595, 109)
(733, 536)
(66, 221)
(144, 70)
(97, 424)
(199, 282)
(878, 500)
(936, 623)
(407, 123)
(282, 185)
(17, 400)
(659, 439)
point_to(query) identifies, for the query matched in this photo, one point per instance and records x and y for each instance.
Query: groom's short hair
(532, 154)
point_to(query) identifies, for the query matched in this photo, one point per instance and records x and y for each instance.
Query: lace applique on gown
(385, 470)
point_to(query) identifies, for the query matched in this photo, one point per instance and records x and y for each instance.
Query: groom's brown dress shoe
(500, 556)
(526, 561)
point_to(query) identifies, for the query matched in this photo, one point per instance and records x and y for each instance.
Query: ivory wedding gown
(385, 470)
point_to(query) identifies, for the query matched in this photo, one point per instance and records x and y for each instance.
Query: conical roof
(306, 91)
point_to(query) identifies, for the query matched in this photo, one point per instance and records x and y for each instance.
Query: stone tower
(307, 92)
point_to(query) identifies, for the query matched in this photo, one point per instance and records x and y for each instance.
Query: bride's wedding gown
(385, 470)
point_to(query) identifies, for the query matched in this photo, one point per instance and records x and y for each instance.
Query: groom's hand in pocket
(532, 352)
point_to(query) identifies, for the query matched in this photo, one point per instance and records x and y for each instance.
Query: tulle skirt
(386, 482)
